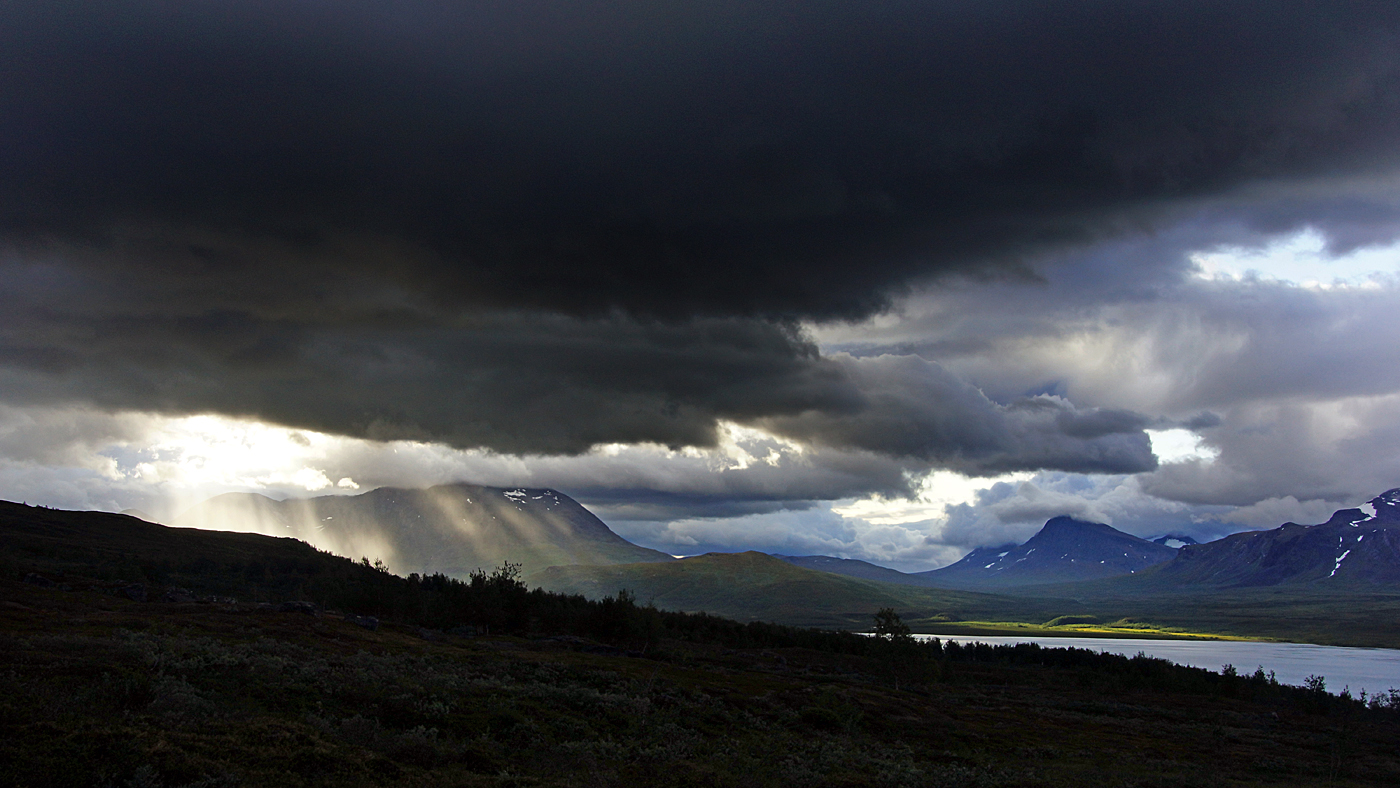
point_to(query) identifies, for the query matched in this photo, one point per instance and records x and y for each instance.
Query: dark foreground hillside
(187, 688)
(99, 690)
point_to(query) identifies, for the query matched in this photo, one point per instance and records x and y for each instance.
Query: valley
(133, 655)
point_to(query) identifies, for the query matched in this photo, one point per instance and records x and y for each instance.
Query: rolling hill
(453, 529)
(756, 586)
(425, 682)
(850, 567)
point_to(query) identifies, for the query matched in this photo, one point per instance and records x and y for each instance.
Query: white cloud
(1180, 445)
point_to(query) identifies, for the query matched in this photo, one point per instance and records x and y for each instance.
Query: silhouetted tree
(889, 626)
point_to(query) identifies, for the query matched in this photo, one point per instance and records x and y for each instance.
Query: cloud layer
(891, 237)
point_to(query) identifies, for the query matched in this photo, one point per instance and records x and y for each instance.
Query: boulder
(177, 595)
(368, 622)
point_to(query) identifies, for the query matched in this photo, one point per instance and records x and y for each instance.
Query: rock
(177, 595)
(309, 608)
(135, 592)
(38, 580)
(368, 622)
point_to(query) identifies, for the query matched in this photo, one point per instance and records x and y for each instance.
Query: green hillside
(755, 586)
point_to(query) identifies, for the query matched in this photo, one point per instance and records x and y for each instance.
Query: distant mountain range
(458, 528)
(1356, 547)
(1338, 581)
(453, 529)
(1064, 551)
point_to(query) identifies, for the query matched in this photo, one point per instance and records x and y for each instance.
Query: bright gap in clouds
(937, 491)
(163, 465)
(1179, 445)
(210, 451)
(1302, 260)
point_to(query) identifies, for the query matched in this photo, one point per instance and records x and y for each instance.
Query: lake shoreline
(1355, 668)
(1009, 628)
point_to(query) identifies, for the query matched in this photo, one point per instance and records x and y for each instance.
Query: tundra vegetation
(343, 674)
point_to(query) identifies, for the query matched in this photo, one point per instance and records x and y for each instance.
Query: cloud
(540, 228)
(756, 159)
(893, 238)
(917, 409)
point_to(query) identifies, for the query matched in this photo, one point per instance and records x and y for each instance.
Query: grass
(97, 689)
(752, 586)
(1013, 628)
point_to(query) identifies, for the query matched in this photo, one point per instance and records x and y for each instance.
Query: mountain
(1065, 550)
(756, 586)
(853, 568)
(453, 529)
(1174, 540)
(1356, 547)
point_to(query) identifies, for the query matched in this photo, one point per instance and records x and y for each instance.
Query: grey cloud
(1330, 451)
(1013, 512)
(528, 383)
(918, 409)
(1201, 421)
(1293, 386)
(47, 437)
(536, 228)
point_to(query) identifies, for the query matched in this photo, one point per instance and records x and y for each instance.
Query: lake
(1372, 669)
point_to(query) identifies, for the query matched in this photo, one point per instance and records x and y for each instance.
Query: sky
(881, 280)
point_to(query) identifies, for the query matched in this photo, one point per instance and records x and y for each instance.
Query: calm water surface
(1371, 669)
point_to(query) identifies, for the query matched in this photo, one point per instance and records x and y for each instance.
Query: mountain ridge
(1065, 549)
(757, 586)
(453, 528)
(1355, 546)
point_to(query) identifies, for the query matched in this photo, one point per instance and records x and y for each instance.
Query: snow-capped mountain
(1174, 540)
(453, 528)
(1358, 546)
(1065, 550)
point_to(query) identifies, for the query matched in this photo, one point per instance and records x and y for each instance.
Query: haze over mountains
(1065, 550)
(458, 528)
(453, 529)
(1355, 547)
(1333, 582)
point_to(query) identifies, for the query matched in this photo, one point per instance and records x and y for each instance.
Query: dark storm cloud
(918, 409)
(539, 384)
(537, 227)
(801, 159)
